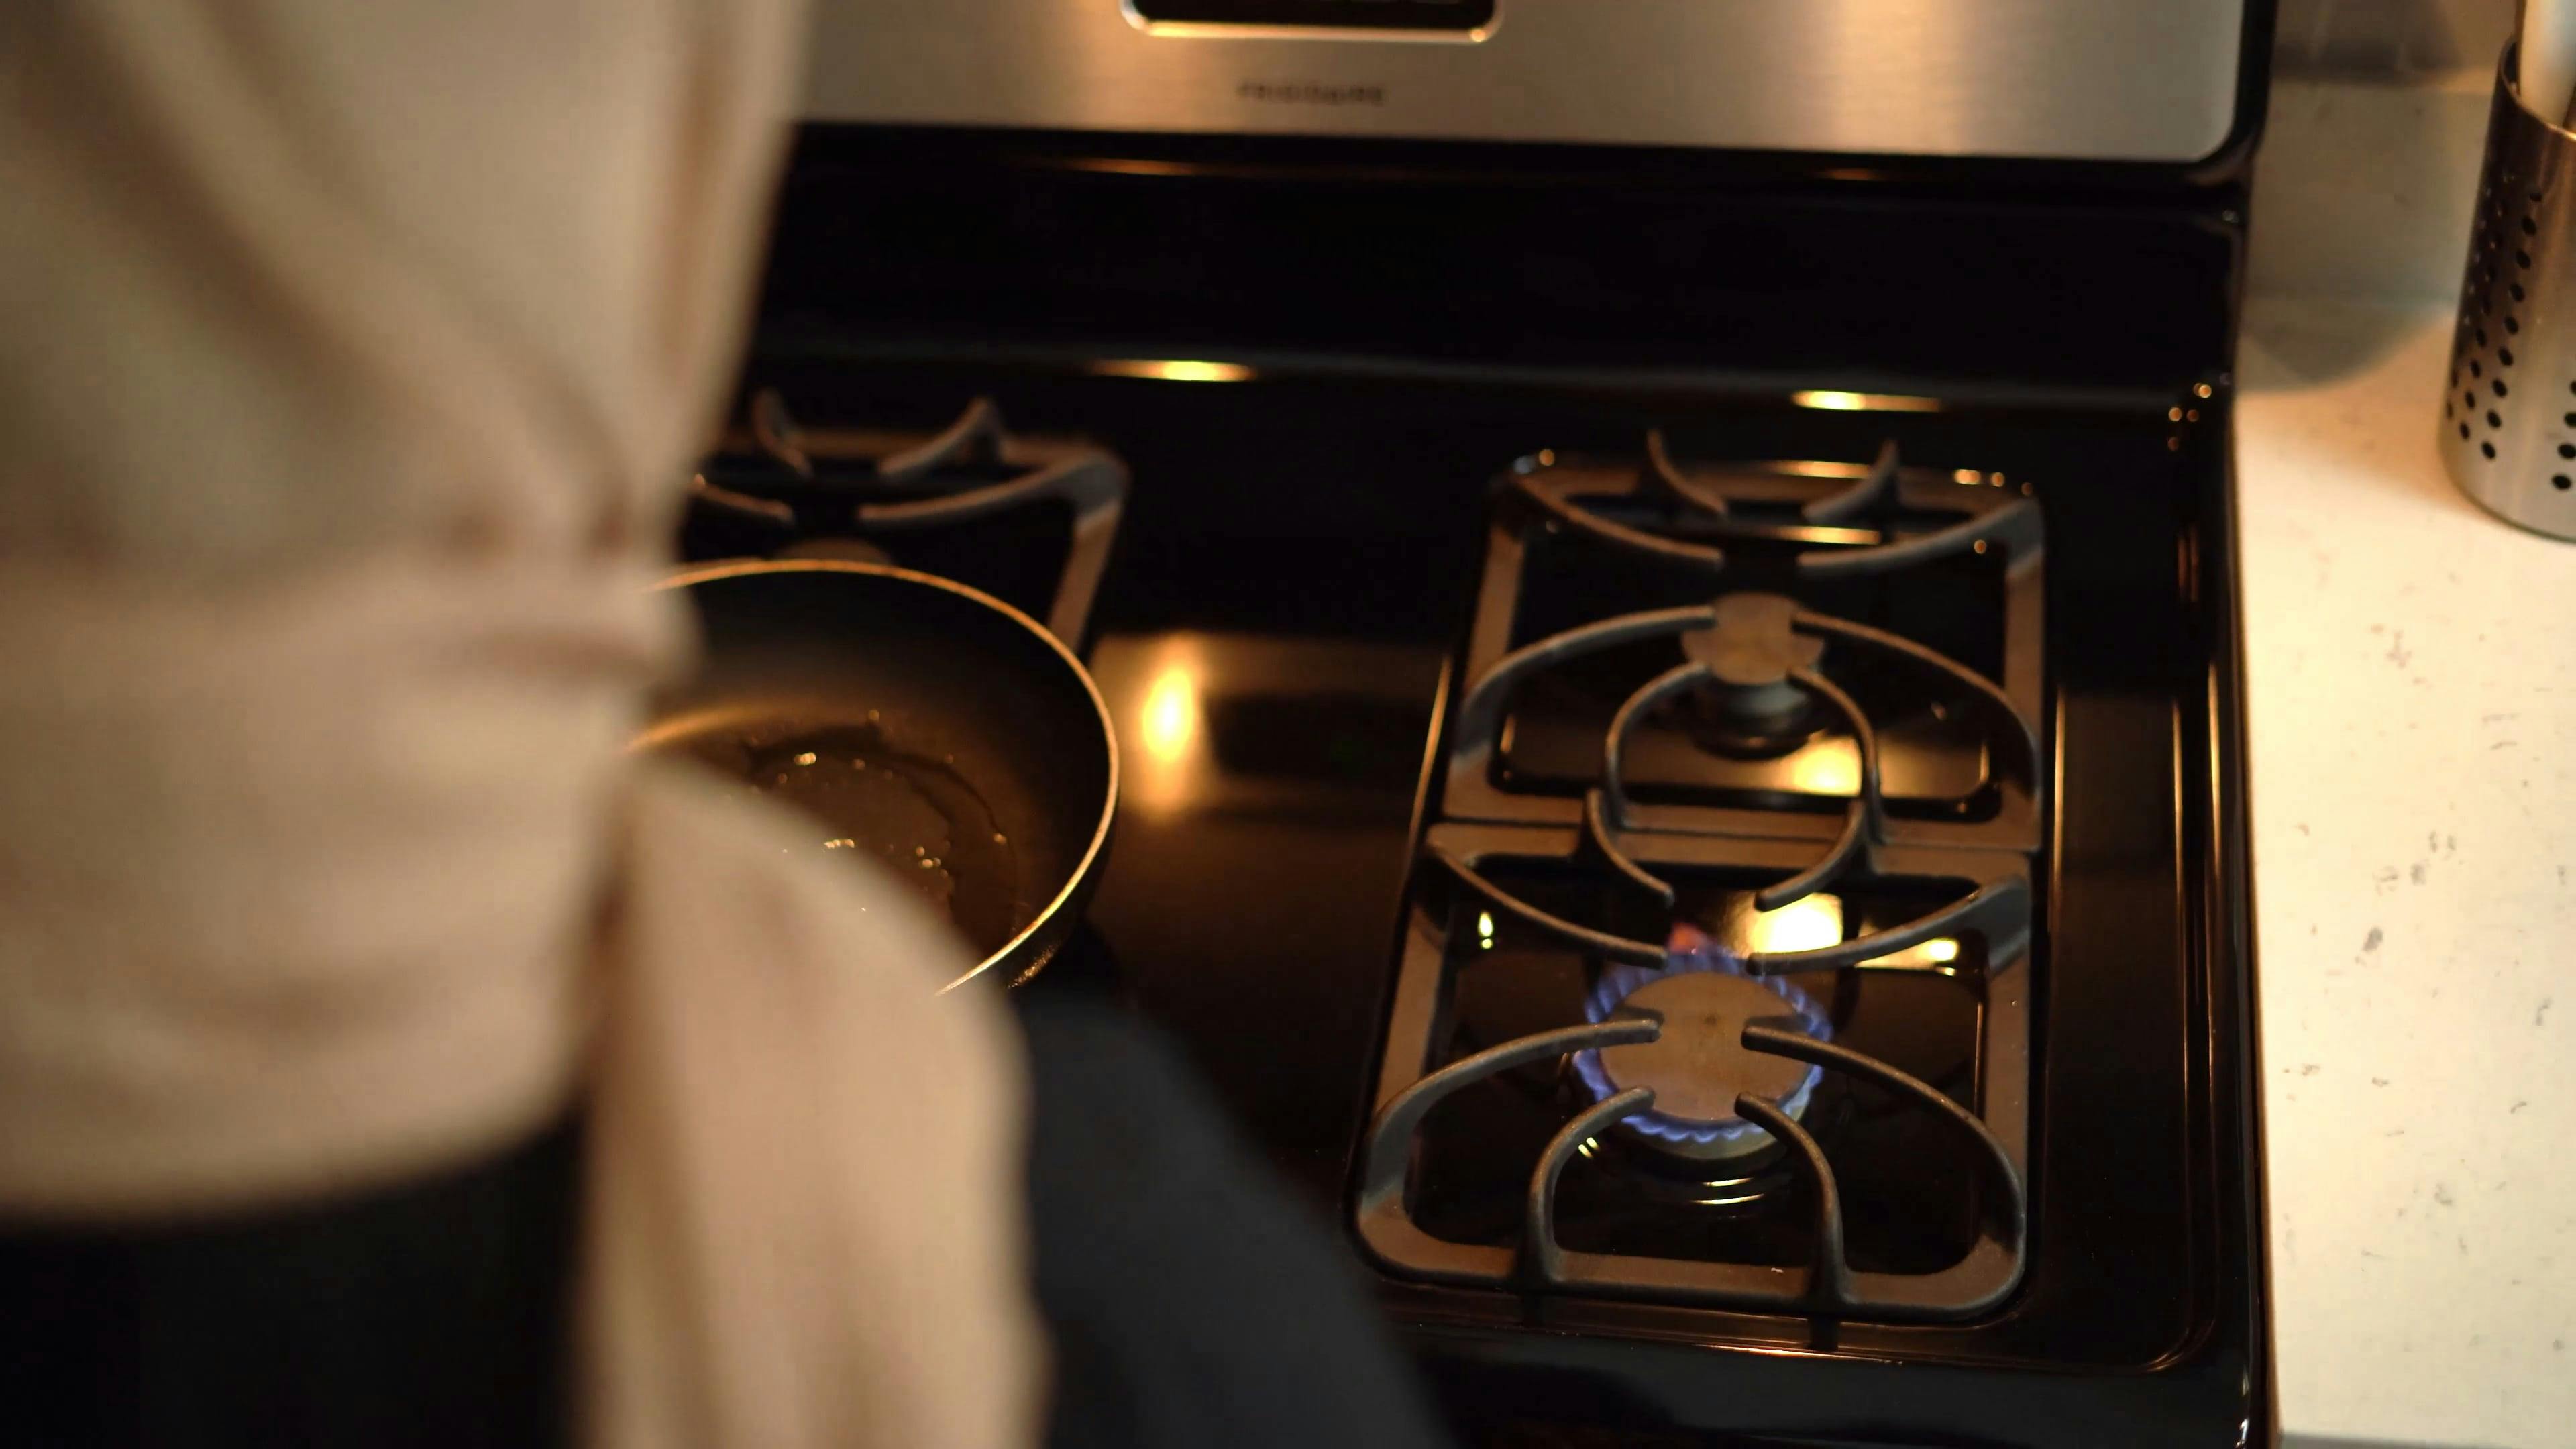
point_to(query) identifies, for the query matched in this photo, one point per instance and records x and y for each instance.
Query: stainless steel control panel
(2127, 80)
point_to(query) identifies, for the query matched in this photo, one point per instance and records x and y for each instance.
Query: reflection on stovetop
(1266, 791)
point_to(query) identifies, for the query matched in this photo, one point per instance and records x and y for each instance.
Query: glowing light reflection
(1827, 767)
(1818, 921)
(1176, 370)
(1865, 402)
(1807, 924)
(1171, 718)
(1936, 956)
(1169, 723)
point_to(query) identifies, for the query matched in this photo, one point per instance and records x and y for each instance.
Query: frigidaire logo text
(1311, 93)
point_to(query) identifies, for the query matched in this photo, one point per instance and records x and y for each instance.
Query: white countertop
(2412, 680)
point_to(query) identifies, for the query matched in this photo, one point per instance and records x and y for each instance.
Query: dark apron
(1190, 1303)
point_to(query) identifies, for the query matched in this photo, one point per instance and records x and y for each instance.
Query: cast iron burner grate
(1841, 590)
(1681, 1057)
(1029, 520)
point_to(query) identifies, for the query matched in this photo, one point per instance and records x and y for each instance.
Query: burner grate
(1847, 533)
(1757, 615)
(1840, 589)
(779, 486)
(1993, 918)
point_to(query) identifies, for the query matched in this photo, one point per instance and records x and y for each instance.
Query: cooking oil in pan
(915, 815)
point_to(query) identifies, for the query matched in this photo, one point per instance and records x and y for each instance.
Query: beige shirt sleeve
(349, 359)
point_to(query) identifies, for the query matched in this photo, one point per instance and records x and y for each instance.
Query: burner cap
(1751, 651)
(1699, 1065)
(1753, 645)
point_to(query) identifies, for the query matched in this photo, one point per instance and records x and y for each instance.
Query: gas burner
(1750, 642)
(1757, 649)
(1695, 1052)
(779, 487)
(1703, 998)
(1705, 1187)
(1754, 659)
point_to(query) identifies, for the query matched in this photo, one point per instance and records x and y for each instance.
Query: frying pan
(916, 721)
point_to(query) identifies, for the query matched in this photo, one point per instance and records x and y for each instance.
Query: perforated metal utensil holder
(2509, 415)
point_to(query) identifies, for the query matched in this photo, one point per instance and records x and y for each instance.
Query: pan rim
(1080, 876)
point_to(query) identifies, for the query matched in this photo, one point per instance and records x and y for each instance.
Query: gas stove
(1952, 835)
(1681, 738)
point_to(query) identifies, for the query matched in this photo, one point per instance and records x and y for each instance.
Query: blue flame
(1689, 950)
